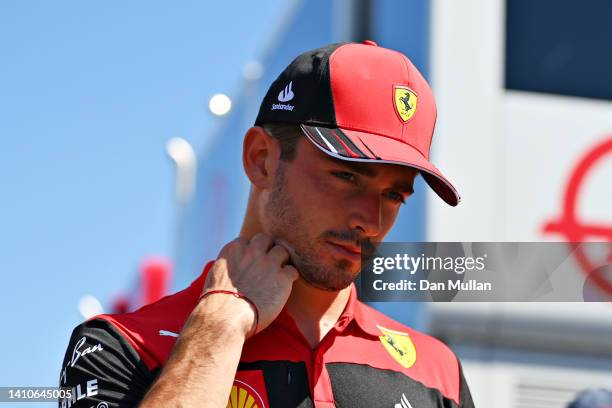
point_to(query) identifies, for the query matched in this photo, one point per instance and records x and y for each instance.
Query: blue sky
(89, 94)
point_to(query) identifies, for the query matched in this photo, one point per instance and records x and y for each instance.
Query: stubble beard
(286, 223)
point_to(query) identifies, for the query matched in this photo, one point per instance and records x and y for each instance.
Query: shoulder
(436, 352)
(114, 358)
(152, 330)
(99, 366)
(417, 355)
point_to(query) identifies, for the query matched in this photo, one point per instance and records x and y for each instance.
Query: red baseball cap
(360, 102)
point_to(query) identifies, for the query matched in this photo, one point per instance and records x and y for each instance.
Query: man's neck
(316, 311)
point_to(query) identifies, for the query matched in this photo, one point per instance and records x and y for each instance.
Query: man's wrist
(233, 314)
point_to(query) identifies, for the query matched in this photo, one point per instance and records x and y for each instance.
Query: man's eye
(397, 197)
(345, 175)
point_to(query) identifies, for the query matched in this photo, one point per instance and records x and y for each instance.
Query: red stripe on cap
(333, 132)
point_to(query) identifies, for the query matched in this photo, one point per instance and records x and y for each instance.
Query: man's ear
(260, 157)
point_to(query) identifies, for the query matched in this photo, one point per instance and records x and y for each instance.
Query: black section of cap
(326, 137)
(333, 140)
(314, 136)
(312, 101)
(342, 143)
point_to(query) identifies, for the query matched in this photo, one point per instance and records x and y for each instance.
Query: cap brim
(366, 147)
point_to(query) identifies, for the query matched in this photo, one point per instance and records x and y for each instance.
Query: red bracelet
(238, 295)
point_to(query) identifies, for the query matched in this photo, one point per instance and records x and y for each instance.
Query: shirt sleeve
(101, 369)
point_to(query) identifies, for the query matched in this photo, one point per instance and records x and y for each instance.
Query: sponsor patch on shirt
(248, 391)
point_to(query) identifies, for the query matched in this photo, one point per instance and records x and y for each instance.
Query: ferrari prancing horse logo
(399, 346)
(405, 102)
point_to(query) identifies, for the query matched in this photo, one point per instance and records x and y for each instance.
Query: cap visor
(366, 147)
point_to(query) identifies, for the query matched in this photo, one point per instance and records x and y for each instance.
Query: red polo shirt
(365, 360)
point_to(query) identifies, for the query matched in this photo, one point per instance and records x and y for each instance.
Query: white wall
(510, 155)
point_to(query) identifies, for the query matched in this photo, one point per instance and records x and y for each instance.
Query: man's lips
(352, 252)
(351, 248)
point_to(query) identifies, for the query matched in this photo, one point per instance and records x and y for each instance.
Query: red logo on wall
(573, 229)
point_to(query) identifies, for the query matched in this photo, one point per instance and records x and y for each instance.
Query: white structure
(511, 154)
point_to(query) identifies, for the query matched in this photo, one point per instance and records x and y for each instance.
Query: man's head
(339, 138)
(323, 208)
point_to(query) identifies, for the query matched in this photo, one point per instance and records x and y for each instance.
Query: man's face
(324, 208)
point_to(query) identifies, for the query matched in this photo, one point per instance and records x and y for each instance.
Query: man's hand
(201, 369)
(258, 269)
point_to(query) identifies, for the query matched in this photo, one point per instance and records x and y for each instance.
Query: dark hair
(287, 136)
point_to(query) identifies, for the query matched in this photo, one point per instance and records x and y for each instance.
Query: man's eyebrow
(368, 171)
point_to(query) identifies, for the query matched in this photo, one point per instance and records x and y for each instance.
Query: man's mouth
(349, 251)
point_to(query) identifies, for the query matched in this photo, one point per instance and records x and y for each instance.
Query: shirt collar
(360, 313)
(355, 310)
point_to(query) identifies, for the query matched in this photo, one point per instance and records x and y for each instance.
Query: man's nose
(366, 215)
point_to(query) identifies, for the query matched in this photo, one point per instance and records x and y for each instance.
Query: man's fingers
(262, 242)
(240, 240)
(279, 254)
(235, 244)
(291, 272)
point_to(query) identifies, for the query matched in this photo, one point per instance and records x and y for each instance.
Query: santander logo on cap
(285, 96)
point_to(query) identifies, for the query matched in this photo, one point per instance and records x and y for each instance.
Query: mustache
(368, 248)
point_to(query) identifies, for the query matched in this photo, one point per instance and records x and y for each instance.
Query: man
(274, 321)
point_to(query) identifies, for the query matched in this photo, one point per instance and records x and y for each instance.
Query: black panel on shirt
(111, 374)
(286, 383)
(358, 385)
(103, 369)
